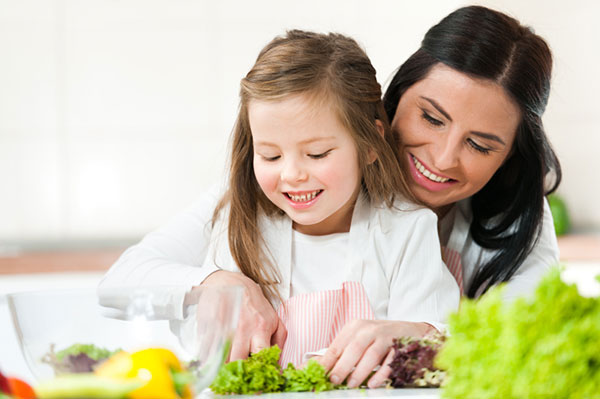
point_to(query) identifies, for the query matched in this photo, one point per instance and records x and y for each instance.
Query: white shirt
(315, 262)
(455, 234)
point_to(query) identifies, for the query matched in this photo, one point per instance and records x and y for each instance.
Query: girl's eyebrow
(307, 141)
(488, 136)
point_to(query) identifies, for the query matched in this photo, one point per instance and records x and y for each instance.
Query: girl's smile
(302, 199)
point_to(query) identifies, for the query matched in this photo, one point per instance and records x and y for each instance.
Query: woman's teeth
(304, 197)
(427, 173)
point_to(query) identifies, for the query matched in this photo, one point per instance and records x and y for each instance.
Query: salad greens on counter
(413, 362)
(544, 347)
(261, 373)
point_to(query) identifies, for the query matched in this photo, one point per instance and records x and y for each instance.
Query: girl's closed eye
(321, 155)
(271, 158)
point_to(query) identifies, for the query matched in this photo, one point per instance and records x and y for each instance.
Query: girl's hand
(362, 345)
(259, 326)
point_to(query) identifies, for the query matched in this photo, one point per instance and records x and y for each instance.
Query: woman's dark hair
(508, 210)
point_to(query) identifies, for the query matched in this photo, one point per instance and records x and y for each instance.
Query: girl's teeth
(428, 174)
(304, 197)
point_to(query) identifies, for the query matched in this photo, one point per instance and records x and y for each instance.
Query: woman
(467, 107)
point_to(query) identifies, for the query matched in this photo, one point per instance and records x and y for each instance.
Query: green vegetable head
(560, 214)
(545, 347)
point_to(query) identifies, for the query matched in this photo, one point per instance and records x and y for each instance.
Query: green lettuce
(312, 377)
(261, 373)
(544, 347)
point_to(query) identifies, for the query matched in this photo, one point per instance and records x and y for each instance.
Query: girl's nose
(448, 152)
(293, 171)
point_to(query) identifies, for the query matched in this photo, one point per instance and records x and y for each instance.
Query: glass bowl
(200, 335)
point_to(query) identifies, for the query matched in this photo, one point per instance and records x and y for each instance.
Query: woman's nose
(293, 171)
(448, 152)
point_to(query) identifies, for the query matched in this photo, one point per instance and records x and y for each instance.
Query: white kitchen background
(115, 114)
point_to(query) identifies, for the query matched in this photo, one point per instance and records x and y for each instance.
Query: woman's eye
(319, 156)
(477, 147)
(431, 120)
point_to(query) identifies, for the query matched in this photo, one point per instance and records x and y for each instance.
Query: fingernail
(374, 384)
(335, 379)
(352, 383)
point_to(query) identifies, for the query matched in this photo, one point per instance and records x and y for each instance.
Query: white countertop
(406, 393)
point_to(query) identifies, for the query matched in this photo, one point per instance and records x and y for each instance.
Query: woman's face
(456, 131)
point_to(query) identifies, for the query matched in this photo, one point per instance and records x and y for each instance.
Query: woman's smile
(426, 178)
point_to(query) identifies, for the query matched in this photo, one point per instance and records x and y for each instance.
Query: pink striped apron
(313, 319)
(453, 262)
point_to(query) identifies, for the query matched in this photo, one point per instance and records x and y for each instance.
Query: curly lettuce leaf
(260, 373)
(539, 348)
(311, 378)
(413, 362)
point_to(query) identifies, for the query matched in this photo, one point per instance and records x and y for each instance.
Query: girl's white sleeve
(543, 257)
(422, 289)
(168, 262)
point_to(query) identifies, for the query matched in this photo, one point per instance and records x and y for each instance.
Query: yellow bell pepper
(154, 366)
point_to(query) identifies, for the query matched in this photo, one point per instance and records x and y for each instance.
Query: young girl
(314, 210)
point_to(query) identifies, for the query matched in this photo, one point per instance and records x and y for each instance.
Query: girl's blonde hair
(328, 67)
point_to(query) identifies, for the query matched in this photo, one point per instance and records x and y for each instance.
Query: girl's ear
(381, 131)
(380, 128)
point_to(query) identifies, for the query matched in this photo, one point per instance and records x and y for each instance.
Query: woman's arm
(170, 256)
(174, 256)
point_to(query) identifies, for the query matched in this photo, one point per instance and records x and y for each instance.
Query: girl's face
(306, 162)
(456, 131)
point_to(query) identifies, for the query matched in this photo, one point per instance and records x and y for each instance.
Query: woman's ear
(381, 131)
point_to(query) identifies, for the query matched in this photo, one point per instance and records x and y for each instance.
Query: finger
(240, 347)
(371, 358)
(259, 341)
(383, 373)
(348, 359)
(336, 348)
(278, 338)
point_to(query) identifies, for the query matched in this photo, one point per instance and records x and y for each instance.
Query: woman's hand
(363, 345)
(259, 326)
